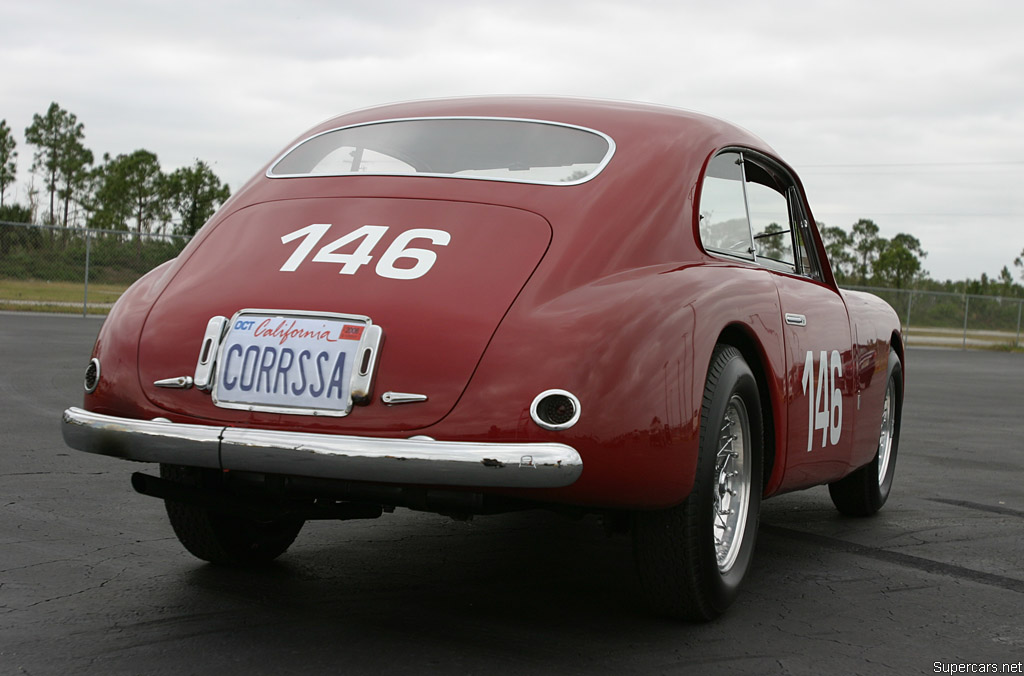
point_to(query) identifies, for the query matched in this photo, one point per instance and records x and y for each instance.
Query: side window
(769, 216)
(750, 208)
(723, 210)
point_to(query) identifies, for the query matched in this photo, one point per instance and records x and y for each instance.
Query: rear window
(522, 151)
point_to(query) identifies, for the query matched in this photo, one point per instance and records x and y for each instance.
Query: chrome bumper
(403, 461)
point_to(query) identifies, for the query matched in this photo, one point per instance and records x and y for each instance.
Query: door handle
(795, 319)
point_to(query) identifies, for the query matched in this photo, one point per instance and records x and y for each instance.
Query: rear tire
(220, 538)
(863, 492)
(692, 558)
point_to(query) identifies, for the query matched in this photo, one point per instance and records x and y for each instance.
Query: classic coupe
(475, 305)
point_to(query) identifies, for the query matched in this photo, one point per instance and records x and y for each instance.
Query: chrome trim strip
(795, 319)
(409, 461)
(179, 383)
(392, 398)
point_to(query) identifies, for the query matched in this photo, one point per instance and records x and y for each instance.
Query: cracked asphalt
(92, 580)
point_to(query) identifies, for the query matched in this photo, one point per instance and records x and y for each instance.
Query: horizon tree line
(123, 192)
(131, 192)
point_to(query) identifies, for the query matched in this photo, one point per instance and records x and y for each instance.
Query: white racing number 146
(824, 398)
(367, 237)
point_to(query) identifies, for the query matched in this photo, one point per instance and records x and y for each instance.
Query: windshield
(525, 151)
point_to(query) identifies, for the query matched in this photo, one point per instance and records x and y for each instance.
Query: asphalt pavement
(93, 581)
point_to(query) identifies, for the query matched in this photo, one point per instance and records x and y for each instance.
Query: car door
(820, 387)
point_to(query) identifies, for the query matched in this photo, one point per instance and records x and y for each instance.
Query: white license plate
(284, 362)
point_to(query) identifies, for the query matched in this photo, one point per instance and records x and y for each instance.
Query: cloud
(825, 83)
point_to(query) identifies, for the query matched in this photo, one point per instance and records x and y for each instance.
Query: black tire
(220, 538)
(863, 492)
(684, 573)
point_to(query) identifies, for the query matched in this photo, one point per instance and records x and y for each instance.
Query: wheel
(863, 492)
(691, 558)
(219, 538)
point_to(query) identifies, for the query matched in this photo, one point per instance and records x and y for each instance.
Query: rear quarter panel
(635, 348)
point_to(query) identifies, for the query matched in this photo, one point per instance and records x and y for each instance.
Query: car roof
(608, 116)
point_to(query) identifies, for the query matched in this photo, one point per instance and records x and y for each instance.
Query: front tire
(692, 558)
(220, 538)
(863, 492)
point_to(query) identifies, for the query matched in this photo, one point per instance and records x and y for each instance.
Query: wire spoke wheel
(693, 557)
(865, 490)
(886, 432)
(732, 490)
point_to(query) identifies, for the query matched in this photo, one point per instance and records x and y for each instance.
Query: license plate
(285, 362)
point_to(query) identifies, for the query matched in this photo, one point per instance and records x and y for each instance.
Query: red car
(474, 305)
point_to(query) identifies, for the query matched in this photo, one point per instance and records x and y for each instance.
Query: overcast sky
(907, 113)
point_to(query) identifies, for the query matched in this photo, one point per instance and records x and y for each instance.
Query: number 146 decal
(824, 398)
(368, 237)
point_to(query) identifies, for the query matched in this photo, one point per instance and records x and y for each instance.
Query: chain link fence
(955, 319)
(54, 269)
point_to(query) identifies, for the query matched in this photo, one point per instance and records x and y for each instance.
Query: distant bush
(60, 255)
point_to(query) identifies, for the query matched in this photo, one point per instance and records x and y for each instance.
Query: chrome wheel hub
(885, 434)
(732, 484)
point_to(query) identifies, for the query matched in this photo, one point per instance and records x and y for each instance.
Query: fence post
(1020, 306)
(85, 301)
(967, 306)
(910, 304)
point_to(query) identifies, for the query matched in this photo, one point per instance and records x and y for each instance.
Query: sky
(908, 113)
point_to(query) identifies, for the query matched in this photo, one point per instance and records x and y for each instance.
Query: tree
(1018, 262)
(771, 243)
(899, 260)
(59, 155)
(867, 244)
(130, 187)
(1005, 282)
(839, 247)
(75, 172)
(8, 159)
(194, 193)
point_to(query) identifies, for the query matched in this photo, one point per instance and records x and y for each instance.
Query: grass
(52, 293)
(1001, 341)
(56, 309)
(35, 295)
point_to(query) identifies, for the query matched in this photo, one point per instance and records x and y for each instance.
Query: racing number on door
(367, 237)
(824, 398)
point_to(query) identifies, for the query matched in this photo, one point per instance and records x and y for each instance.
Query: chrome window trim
(597, 170)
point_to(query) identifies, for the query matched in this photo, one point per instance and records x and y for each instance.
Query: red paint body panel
(431, 344)
(815, 455)
(602, 289)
